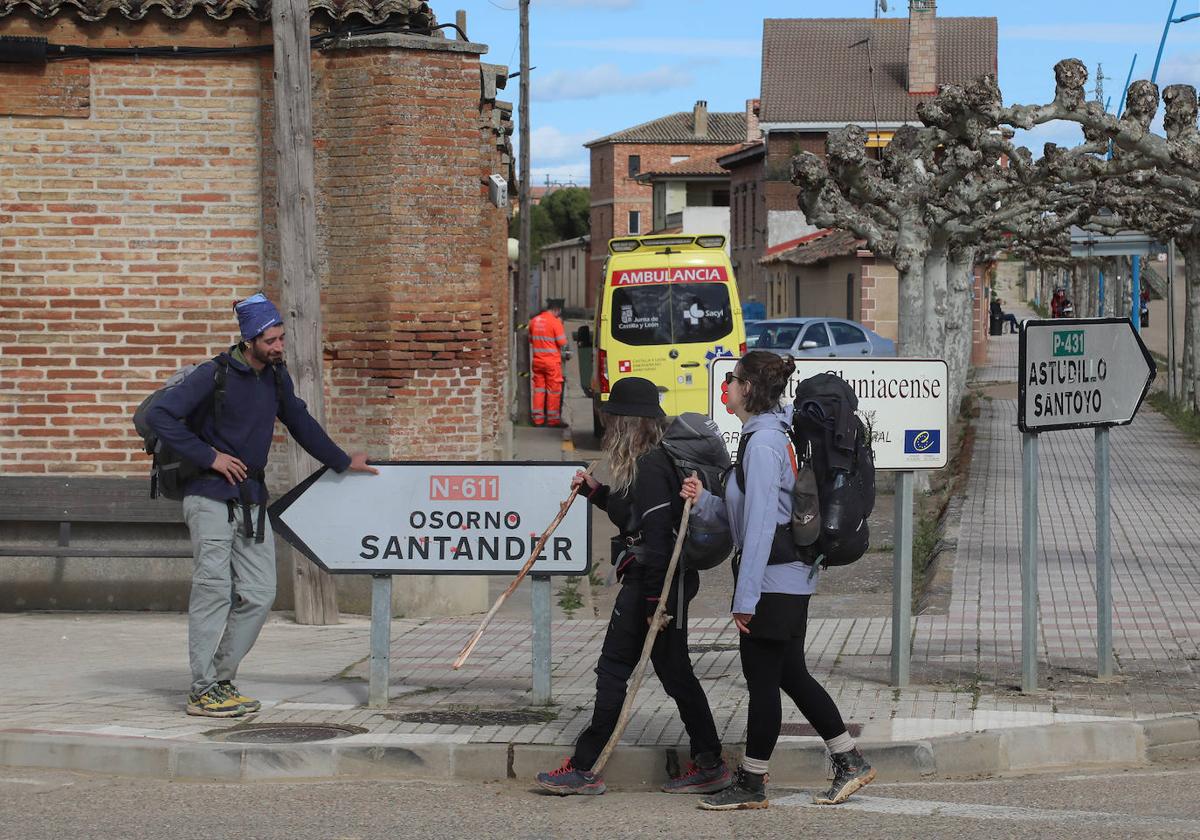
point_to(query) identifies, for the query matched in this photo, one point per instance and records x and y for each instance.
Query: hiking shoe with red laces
(569, 779)
(697, 779)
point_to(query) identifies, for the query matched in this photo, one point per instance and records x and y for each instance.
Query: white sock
(840, 744)
(755, 765)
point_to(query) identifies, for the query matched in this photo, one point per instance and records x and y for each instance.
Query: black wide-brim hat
(634, 397)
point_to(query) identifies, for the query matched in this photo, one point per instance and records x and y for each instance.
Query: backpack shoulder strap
(219, 377)
(739, 468)
(277, 371)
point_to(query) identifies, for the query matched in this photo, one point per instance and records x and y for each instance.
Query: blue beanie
(255, 315)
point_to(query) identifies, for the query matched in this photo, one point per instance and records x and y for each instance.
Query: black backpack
(834, 491)
(693, 444)
(170, 472)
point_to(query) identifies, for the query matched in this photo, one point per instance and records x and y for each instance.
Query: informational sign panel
(1076, 373)
(904, 401)
(438, 518)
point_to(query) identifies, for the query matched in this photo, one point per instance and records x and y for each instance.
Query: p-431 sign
(1079, 373)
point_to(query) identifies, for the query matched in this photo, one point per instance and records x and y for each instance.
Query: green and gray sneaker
(230, 690)
(749, 790)
(214, 703)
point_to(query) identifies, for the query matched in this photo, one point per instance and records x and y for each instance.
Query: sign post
(905, 404)
(440, 518)
(1075, 374)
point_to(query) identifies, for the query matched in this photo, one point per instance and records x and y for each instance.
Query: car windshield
(778, 336)
(671, 313)
(753, 331)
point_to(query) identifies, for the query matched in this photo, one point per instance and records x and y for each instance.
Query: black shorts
(779, 616)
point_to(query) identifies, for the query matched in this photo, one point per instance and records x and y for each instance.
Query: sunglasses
(730, 376)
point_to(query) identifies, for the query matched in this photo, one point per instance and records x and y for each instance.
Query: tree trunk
(934, 312)
(910, 330)
(1190, 248)
(960, 276)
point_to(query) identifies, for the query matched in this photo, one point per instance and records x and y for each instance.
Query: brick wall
(125, 237)
(880, 296)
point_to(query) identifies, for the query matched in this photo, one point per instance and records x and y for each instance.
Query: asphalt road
(1145, 802)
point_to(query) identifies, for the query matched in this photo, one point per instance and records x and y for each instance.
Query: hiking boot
(749, 790)
(230, 690)
(851, 773)
(569, 779)
(214, 703)
(697, 779)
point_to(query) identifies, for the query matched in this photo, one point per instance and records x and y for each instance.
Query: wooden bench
(86, 499)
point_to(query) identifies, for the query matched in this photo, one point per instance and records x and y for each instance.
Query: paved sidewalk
(121, 677)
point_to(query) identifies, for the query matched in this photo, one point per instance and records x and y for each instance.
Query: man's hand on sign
(582, 477)
(230, 467)
(358, 463)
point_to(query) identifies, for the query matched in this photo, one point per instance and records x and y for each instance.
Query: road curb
(988, 753)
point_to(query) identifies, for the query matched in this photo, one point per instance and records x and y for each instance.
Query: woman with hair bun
(772, 588)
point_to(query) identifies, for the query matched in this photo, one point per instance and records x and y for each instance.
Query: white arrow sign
(904, 401)
(438, 518)
(1076, 373)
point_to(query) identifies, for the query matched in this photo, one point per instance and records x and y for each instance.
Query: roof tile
(724, 128)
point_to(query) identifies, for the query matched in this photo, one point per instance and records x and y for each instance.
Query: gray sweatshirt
(752, 516)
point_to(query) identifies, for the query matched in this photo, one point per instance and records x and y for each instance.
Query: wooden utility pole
(296, 221)
(524, 282)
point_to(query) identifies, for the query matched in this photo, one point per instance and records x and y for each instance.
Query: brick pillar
(922, 46)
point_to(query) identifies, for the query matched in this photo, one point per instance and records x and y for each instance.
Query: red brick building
(819, 75)
(621, 205)
(137, 202)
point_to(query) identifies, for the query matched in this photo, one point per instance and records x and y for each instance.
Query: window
(720, 198)
(753, 212)
(846, 334)
(635, 221)
(780, 337)
(817, 333)
(558, 263)
(572, 262)
(678, 313)
(635, 165)
(679, 158)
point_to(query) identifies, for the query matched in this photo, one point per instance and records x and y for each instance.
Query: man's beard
(266, 357)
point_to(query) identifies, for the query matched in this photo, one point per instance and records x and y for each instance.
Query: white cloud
(577, 173)
(548, 144)
(1146, 34)
(1063, 133)
(605, 80)
(700, 47)
(1180, 69)
(586, 4)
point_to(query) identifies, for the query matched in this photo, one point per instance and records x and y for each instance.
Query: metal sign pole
(902, 579)
(541, 639)
(1104, 645)
(381, 641)
(1029, 548)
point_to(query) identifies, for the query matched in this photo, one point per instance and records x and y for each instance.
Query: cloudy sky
(604, 65)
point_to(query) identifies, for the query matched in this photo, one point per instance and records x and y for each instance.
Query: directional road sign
(1076, 373)
(904, 401)
(439, 518)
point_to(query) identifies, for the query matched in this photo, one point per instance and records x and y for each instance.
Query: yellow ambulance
(668, 306)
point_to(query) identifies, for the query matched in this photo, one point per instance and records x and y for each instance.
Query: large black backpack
(693, 444)
(169, 471)
(836, 444)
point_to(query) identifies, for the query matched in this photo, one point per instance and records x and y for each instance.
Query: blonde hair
(625, 440)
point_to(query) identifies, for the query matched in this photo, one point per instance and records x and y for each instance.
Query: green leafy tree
(569, 209)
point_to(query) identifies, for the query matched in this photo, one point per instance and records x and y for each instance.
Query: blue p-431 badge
(922, 441)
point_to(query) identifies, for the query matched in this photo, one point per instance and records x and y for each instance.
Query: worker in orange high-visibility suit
(548, 343)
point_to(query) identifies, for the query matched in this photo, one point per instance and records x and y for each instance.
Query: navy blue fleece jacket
(246, 426)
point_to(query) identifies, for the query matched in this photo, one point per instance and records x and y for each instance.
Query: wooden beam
(315, 591)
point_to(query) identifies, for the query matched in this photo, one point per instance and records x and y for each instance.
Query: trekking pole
(487, 619)
(657, 623)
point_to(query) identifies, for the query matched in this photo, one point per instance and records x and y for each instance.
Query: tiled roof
(412, 12)
(723, 128)
(697, 166)
(810, 72)
(813, 248)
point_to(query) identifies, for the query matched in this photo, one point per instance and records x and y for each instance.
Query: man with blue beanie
(222, 418)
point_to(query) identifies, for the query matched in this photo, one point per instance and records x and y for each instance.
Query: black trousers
(618, 657)
(771, 664)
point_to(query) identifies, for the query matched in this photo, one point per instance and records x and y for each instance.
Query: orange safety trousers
(547, 389)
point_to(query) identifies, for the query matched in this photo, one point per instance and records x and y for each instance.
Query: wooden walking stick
(657, 623)
(487, 619)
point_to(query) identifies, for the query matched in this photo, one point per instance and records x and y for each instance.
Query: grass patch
(1178, 412)
(569, 599)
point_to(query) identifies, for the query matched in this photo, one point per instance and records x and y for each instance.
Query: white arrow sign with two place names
(443, 518)
(1078, 373)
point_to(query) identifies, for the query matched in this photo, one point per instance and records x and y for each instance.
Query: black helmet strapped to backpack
(693, 444)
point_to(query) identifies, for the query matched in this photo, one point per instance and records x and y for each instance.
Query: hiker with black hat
(772, 588)
(222, 418)
(643, 502)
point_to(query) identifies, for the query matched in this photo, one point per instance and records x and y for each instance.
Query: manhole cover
(477, 717)
(284, 733)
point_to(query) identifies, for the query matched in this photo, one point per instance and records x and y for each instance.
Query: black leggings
(773, 664)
